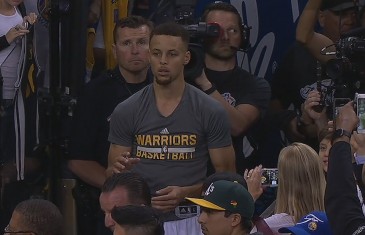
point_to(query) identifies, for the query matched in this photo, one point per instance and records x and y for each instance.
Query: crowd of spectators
(155, 152)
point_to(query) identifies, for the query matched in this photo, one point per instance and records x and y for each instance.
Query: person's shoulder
(136, 99)
(280, 220)
(198, 95)
(203, 101)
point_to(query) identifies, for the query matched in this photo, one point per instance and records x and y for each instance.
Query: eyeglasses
(8, 231)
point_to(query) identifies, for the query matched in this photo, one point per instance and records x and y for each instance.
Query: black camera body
(348, 69)
(198, 34)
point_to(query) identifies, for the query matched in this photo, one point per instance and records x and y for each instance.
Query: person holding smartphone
(341, 202)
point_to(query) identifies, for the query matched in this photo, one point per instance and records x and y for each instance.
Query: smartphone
(337, 103)
(269, 177)
(360, 109)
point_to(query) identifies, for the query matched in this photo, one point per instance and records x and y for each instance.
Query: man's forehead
(130, 33)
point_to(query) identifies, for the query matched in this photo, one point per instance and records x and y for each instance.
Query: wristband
(211, 90)
(339, 133)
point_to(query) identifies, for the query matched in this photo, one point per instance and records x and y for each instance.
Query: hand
(124, 162)
(168, 198)
(31, 18)
(13, 33)
(347, 118)
(313, 99)
(253, 180)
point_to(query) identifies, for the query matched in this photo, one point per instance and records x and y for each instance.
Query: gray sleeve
(217, 126)
(121, 124)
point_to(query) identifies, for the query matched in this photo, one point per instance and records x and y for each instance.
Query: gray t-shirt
(174, 149)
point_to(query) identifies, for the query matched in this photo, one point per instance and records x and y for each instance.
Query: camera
(269, 177)
(199, 32)
(348, 68)
(346, 71)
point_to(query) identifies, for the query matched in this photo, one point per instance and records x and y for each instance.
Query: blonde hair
(301, 181)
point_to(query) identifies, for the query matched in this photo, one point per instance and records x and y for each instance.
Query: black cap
(338, 5)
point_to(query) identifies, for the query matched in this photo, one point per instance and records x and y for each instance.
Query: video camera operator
(303, 70)
(244, 97)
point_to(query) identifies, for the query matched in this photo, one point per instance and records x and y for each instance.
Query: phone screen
(361, 113)
(269, 177)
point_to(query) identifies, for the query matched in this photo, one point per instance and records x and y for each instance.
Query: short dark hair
(324, 134)
(222, 6)
(172, 29)
(142, 218)
(40, 216)
(132, 22)
(136, 187)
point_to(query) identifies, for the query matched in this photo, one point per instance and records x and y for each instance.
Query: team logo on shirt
(229, 98)
(166, 146)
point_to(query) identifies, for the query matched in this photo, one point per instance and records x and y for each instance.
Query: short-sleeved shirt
(173, 149)
(237, 86)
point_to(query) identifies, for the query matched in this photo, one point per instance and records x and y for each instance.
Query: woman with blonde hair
(301, 186)
(301, 181)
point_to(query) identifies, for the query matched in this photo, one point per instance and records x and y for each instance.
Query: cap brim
(295, 230)
(205, 203)
(343, 6)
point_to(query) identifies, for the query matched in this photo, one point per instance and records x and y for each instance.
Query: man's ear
(187, 57)
(236, 220)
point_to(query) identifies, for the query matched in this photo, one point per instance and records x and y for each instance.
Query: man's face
(336, 23)
(213, 222)
(168, 56)
(230, 35)
(131, 48)
(108, 200)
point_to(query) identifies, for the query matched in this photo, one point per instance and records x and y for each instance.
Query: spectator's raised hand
(253, 180)
(347, 118)
(312, 101)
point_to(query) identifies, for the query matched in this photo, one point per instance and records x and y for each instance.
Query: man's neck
(169, 96)
(173, 91)
(218, 64)
(134, 77)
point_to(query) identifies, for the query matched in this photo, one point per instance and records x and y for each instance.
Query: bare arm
(91, 172)
(223, 159)
(305, 34)
(241, 117)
